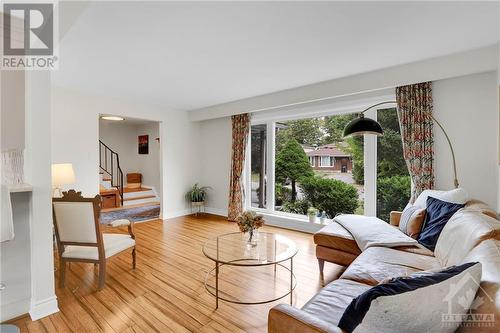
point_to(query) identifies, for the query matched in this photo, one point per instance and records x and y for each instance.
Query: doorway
(129, 168)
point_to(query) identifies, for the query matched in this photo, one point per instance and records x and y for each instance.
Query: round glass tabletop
(234, 249)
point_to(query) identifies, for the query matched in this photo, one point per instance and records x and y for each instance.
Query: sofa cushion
(458, 196)
(336, 236)
(438, 214)
(379, 263)
(465, 229)
(397, 304)
(330, 303)
(412, 220)
(488, 296)
(477, 205)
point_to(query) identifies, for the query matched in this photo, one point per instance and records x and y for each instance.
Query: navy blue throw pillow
(359, 306)
(438, 214)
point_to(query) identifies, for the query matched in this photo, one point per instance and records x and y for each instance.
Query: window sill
(288, 221)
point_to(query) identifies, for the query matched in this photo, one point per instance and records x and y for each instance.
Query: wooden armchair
(79, 237)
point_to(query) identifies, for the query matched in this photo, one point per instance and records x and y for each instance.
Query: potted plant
(249, 221)
(197, 195)
(311, 213)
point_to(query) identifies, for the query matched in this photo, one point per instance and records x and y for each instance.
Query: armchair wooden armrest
(284, 318)
(395, 217)
(122, 223)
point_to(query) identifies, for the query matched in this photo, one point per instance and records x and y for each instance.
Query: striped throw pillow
(412, 221)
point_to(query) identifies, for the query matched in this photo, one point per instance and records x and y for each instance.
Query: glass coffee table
(233, 249)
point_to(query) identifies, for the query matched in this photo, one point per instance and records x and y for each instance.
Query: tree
(334, 127)
(305, 131)
(389, 148)
(393, 193)
(355, 147)
(292, 164)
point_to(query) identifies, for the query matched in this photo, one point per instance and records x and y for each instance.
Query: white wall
(38, 174)
(467, 106)
(149, 164)
(75, 133)
(12, 106)
(215, 159)
(121, 137)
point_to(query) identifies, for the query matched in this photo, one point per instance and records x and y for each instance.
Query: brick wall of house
(339, 161)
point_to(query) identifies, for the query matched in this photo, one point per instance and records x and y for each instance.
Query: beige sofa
(472, 234)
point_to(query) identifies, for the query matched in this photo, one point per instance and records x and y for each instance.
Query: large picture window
(308, 163)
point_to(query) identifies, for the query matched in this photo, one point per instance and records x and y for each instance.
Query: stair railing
(109, 163)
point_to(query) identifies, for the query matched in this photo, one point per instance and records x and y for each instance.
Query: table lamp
(62, 174)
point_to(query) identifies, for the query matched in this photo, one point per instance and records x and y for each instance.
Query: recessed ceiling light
(114, 118)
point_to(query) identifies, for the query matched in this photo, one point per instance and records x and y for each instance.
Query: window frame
(295, 221)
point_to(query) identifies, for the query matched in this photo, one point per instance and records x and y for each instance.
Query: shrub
(296, 207)
(393, 193)
(330, 195)
(282, 194)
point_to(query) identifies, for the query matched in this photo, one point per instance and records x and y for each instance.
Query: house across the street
(330, 157)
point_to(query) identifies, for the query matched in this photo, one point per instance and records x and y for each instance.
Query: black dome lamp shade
(362, 125)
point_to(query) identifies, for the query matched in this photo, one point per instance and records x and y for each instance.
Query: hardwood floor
(166, 292)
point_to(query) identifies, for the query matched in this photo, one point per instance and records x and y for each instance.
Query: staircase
(140, 196)
(109, 166)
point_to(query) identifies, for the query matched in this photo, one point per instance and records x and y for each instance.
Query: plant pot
(197, 203)
(312, 218)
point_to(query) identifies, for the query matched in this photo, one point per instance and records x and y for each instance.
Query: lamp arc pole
(428, 114)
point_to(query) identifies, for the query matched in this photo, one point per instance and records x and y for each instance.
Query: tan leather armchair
(395, 217)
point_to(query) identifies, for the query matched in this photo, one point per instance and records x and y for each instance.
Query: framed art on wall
(143, 144)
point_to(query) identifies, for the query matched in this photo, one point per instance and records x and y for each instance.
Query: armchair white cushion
(113, 244)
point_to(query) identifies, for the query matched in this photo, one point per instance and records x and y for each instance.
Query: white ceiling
(191, 55)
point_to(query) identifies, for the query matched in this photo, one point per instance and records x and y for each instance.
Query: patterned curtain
(241, 128)
(414, 106)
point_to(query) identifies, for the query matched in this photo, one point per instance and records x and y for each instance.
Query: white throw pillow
(422, 302)
(457, 196)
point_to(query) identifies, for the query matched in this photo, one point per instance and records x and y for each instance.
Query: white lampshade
(62, 174)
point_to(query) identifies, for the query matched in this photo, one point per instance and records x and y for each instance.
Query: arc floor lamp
(361, 125)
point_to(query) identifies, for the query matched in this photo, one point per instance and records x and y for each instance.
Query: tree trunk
(294, 191)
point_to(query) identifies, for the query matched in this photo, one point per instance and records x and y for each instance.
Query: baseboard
(186, 212)
(216, 211)
(178, 213)
(14, 309)
(43, 308)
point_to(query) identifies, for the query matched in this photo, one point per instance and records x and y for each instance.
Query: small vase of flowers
(248, 222)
